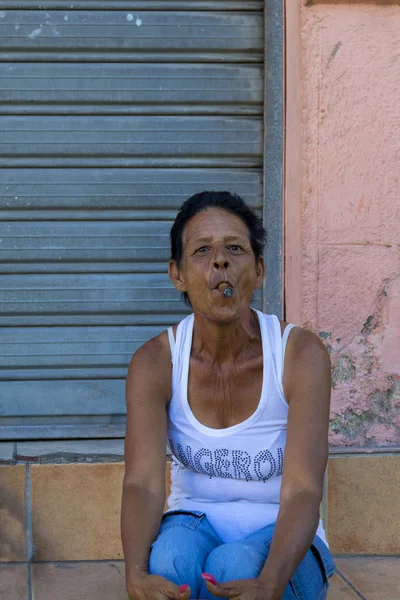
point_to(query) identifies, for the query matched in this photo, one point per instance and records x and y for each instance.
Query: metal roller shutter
(111, 114)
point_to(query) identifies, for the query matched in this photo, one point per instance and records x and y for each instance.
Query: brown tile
(76, 511)
(12, 513)
(13, 582)
(339, 590)
(374, 578)
(79, 581)
(362, 501)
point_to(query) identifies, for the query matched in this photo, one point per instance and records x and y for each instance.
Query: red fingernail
(183, 588)
(209, 578)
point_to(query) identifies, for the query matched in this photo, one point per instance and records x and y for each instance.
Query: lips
(216, 283)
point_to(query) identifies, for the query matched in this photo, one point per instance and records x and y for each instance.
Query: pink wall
(343, 205)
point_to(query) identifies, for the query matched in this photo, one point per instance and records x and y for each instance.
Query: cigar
(225, 290)
(228, 292)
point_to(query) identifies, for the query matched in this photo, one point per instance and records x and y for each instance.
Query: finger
(171, 594)
(217, 590)
(171, 591)
(185, 591)
(224, 590)
(209, 577)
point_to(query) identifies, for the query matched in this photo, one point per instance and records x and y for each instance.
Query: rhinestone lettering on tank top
(230, 464)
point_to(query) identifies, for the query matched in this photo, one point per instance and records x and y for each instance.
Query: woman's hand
(154, 587)
(242, 589)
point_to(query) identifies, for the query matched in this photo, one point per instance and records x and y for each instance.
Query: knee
(234, 561)
(175, 556)
(167, 559)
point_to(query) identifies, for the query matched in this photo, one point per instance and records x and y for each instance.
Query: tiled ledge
(64, 512)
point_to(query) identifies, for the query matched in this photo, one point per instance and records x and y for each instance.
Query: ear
(175, 274)
(260, 270)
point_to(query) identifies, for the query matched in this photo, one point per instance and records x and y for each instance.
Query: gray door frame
(274, 102)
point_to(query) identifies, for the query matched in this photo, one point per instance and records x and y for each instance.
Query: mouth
(226, 289)
(224, 286)
(221, 284)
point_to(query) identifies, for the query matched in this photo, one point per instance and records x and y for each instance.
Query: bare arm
(307, 384)
(148, 389)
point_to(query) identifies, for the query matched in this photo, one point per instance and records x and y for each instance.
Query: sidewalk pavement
(358, 578)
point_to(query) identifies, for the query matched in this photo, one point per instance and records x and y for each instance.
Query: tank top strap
(172, 344)
(277, 341)
(285, 338)
(182, 346)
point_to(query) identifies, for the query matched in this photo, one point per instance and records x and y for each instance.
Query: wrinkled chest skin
(223, 397)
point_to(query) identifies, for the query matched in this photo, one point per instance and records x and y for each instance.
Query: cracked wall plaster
(350, 212)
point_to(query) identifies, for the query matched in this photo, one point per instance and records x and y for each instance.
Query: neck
(224, 342)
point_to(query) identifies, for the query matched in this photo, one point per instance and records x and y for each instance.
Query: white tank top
(234, 474)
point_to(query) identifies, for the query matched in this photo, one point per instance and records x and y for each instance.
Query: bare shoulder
(306, 360)
(306, 346)
(151, 367)
(157, 348)
(303, 342)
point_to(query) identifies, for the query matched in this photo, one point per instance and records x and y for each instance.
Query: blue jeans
(188, 546)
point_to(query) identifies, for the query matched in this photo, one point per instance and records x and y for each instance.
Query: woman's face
(217, 249)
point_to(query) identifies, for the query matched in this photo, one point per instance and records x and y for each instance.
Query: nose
(220, 258)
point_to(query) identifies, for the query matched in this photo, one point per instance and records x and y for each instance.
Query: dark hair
(226, 201)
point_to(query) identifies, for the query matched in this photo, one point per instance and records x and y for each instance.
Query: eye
(235, 248)
(202, 249)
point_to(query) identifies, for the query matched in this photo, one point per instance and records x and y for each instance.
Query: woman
(243, 400)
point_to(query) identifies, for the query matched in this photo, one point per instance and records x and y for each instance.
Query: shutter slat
(132, 35)
(115, 88)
